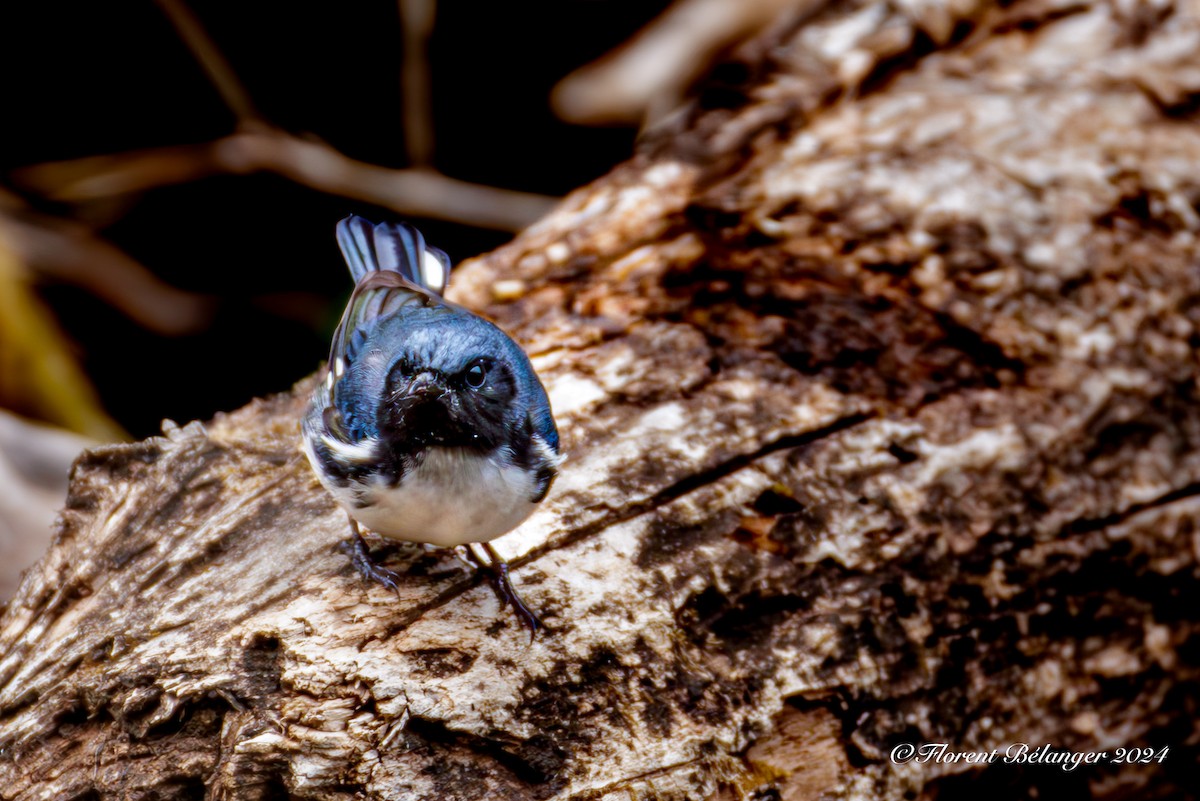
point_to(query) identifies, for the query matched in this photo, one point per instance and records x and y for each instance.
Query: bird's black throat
(412, 426)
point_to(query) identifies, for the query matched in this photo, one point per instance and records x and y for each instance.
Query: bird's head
(454, 383)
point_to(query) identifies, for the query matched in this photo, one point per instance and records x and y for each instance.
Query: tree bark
(876, 375)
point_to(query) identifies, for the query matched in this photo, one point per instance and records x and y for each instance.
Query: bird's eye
(475, 375)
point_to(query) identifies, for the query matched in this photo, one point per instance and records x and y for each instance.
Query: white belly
(453, 498)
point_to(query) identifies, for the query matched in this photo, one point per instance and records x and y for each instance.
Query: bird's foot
(497, 570)
(508, 594)
(360, 557)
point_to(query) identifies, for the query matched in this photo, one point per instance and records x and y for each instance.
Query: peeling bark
(876, 376)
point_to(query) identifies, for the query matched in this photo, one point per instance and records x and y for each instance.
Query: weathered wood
(877, 382)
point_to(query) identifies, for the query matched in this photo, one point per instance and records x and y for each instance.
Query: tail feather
(392, 247)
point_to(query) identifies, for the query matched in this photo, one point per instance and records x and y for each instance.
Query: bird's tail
(392, 247)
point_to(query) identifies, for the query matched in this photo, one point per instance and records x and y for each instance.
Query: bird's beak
(425, 384)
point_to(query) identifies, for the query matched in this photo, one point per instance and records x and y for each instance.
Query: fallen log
(877, 382)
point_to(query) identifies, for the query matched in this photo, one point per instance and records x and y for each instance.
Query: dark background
(87, 79)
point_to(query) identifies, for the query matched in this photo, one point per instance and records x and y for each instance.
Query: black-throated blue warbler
(431, 425)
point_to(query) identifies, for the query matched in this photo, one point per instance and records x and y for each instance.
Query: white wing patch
(433, 273)
(359, 452)
(544, 451)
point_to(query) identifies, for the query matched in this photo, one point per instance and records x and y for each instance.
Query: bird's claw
(507, 593)
(360, 557)
(497, 570)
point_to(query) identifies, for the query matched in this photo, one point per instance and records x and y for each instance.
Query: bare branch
(416, 20)
(647, 77)
(313, 164)
(71, 252)
(212, 61)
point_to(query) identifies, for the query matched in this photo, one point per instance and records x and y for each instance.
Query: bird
(431, 425)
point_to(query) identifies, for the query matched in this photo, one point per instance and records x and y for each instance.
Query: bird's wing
(376, 295)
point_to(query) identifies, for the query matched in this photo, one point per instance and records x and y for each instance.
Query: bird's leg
(498, 569)
(360, 556)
